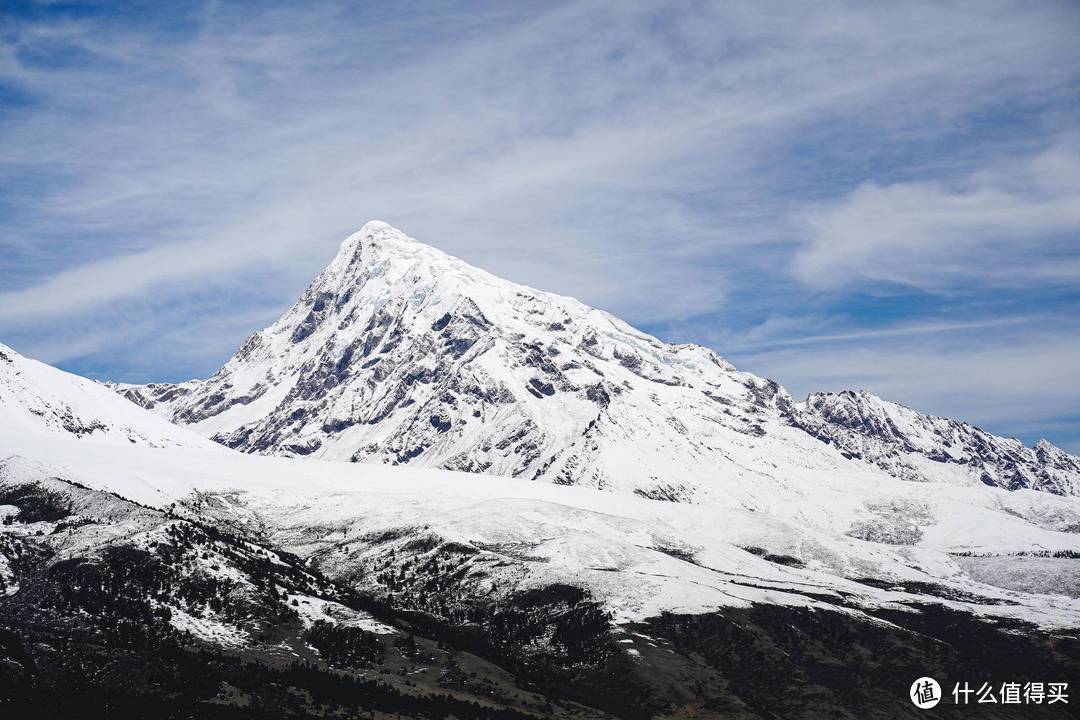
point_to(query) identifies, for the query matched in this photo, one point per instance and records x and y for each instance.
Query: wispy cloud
(792, 332)
(1001, 227)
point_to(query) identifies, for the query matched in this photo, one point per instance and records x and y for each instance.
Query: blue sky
(833, 196)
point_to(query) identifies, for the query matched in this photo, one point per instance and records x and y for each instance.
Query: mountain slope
(913, 446)
(39, 399)
(486, 537)
(196, 578)
(401, 354)
(113, 609)
(630, 605)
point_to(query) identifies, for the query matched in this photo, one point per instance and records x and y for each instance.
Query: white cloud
(994, 227)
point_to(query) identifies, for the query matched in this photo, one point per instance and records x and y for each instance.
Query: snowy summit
(400, 353)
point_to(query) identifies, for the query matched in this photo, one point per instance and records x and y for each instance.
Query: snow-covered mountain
(109, 608)
(521, 595)
(789, 540)
(400, 353)
(603, 604)
(913, 446)
(816, 542)
(40, 399)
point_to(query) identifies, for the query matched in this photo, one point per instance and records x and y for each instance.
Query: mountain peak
(385, 261)
(375, 240)
(373, 231)
(401, 353)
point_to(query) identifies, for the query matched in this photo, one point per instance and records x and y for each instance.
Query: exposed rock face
(399, 353)
(913, 446)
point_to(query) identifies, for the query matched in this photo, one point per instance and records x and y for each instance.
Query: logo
(925, 693)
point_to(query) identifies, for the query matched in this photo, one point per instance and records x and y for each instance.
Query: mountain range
(399, 353)
(546, 514)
